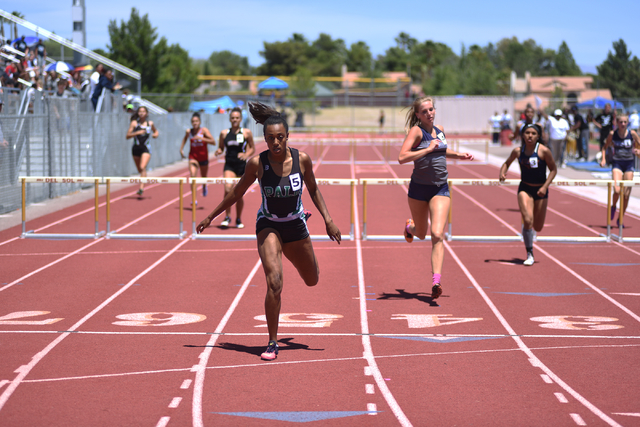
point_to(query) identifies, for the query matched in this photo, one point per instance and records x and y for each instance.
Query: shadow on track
(402, 294)
(284, 344)
(514, 261)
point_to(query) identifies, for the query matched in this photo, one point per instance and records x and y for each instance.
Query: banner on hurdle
(31, 234)
(234, 237)
(494, 183)
(146, 180)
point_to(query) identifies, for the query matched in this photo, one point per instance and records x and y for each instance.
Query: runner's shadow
(402, 294)
(514, 261)
(507, 210)
(284, 344)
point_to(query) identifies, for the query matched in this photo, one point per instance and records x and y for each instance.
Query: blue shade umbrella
(273, 83)
(212, 106)
(599, 102)
(29, 40)
(59, 67)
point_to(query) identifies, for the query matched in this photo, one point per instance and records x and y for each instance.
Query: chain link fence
(61, 138)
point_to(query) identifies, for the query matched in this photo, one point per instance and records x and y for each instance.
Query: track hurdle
(234, 237)
(619, 237)
(147, 180)
(456, 143)
(31, 234)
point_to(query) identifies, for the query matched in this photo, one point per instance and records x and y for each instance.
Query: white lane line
(186, 384)
(24, 370)
(163, 422)
(628, 414)
(561, 398)
(372, 408)
(369, 389)
(557, 261)
(175, 402)
(546, 379)
(364, 322)
(367, 371)
(524, 347)
(578, 419)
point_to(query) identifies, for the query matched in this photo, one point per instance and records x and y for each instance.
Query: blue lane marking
(607, 264)
(543, 294)
(298, 416)
(444, 340)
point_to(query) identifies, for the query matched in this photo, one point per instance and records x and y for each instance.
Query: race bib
(533, 162)
(296, 181)
(240, 138)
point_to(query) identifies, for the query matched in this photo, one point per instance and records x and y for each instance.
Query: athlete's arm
(250, 175)
(131, 133)
(251, 148)
(312, 186)
(636, 141)
(413, 140)
(505, 166)
(608, 143)
(184, 141)
(155, 130)
(551, 165)
(207, 137)
(221, 138)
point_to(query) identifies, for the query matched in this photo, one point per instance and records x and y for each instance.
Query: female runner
(238, 142)
(426, 146)
(626, 146)
(533, 192)
(140, 129)
(198, 138)
(281, 226)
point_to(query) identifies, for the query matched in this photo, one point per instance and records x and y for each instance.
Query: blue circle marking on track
(299, 416)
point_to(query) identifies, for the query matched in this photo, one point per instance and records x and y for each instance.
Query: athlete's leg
(539, 213)
(628, 176)
(301, 255)
(228, 187)
(439, 210)
(193, 168)
(420, 215)
(144, 161)
(616, 175)
(525, 202)
(270, 251)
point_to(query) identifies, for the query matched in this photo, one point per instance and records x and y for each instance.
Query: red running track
(168, 333)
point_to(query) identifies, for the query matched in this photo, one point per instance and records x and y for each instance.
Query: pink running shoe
(408, 236)
(271, 353)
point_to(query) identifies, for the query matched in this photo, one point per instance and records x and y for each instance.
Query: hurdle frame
(31, 234)
(242, 237)
(146, 180)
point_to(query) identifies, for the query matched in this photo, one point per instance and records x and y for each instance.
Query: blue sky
(202, 26)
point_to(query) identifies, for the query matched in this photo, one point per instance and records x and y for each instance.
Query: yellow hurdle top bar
(496, 182)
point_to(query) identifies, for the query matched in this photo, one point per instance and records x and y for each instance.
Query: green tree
(326, 56)
(564, 63)
(620, 72)
(133, 44)
(477, 74)
(228, 63)
(398, 57)
(359, 57)
(284, 58)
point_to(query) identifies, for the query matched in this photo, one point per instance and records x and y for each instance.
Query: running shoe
(529, 261)
(239, 223)
(408, 236)
(271, 353)
(618, 223)
(226, 221)
(307, 215)
(613, 211)
(204, 190)
(436, 291)
(140, 191)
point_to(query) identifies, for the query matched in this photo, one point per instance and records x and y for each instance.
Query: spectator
(105, 82)
(528, 116)
(558, 128)
(582, 130)
(381, 120)
(604, 122)
(505, 120)
(634, 121)
(95, 78)
(496, 125)
(21, 45)
(41, 52)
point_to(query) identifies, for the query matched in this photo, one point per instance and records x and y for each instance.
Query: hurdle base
(571, 239)
(391, 238)
(243, 237)
(485, 238)
(61, 236)
(115, 235)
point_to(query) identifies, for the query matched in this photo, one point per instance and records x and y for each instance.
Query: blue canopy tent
(213, 105)
(634, 107)
(599, 102)
(273, 83)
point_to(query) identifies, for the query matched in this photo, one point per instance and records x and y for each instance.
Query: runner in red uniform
(198, 138)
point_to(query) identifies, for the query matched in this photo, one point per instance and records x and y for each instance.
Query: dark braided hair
(265, 115)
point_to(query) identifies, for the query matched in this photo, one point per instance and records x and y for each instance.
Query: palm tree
(15, 26)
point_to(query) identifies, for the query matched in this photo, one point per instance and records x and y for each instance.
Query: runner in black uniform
(533, 192)
(626, 146)
(281, 226)
(238, 143)
(140, 129)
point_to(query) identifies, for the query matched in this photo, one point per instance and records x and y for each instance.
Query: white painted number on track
(592, 323)
(302, 320)
(9, 319)
(432, 320)
(158, 319)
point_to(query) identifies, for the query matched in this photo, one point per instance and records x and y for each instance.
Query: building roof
(568, 84)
